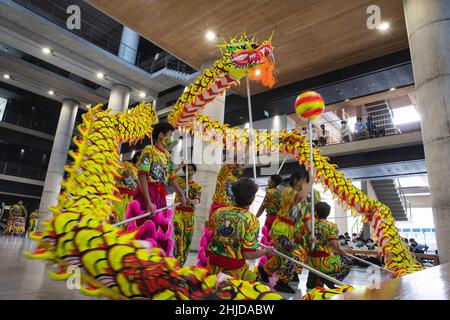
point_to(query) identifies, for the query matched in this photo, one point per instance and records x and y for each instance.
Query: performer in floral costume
(16, 219)
(291, 217)
(126, 186)
(303, 230)
(184, 216)
(235, 234)
(326, 255)
(34, 216)
(271, 204)
(223, 197)
(155, 172)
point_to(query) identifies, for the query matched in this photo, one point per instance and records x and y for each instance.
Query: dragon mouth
(251, 57)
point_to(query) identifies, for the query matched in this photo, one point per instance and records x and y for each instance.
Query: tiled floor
(21, 278)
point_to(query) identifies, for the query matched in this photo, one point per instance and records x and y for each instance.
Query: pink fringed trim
(204, 242)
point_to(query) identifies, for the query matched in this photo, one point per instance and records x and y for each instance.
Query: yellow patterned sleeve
(197, 192)
(334, 231)
(145, 160)
(251, 232)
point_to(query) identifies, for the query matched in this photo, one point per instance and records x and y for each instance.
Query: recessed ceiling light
(6, 76)
(384, 26)
(392, 89)
(51, 92)
(46, 50)
(347, 100)
(142, 94)
(210, 35)
(100, 75)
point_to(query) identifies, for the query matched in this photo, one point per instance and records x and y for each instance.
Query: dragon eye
(254, 46)
(243, 46)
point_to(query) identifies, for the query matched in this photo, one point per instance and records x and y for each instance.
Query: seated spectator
(360, 244)
(416, 247)
(324, 135)
(370, 245)
(354, 237)
(361, 131)
(347, 237)
(342, 241)
(346, 134)
(304, 131)
(315, 136)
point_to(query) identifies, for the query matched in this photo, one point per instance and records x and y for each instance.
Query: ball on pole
(309, 105)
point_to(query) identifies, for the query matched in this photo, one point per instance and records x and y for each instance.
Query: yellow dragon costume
(112, 263)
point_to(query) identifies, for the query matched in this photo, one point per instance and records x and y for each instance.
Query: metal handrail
(23, 171)
(24, 121)
(406, 202)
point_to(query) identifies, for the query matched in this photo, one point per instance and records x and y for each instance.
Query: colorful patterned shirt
(235, 230)
(305, 206)
(272, 200)
(18, 211)
(157, 164)
(325, 231)
(223, 194)
(128, 182)
(195, 191)
(289, 217)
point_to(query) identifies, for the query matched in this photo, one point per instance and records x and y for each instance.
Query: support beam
(58, 157)
(428, 25)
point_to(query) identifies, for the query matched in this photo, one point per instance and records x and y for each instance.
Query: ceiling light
(392, 89)
(100, 75)
(51, 92)
(347, 100)
(384, 26)
(142, 94)
(210, 36)
(6, 76)
(46, 50)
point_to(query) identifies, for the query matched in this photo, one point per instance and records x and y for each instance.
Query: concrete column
(428, 25)
(58, 158)
(119, 98)
(129, 44)
(206, 173)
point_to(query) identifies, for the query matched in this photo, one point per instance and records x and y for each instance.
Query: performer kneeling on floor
(235, 234)
(326, 255)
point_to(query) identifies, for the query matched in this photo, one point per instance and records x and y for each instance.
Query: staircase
(388, 193)
(172, 77)
(381, 115)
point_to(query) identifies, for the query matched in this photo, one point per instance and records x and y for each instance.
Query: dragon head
(243, 55)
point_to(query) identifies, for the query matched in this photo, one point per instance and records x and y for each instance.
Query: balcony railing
(26, 122)
(18, 170)
(58, 15)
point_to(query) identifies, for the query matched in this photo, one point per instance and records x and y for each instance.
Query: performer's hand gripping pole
(323, 275)
(146, 214)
